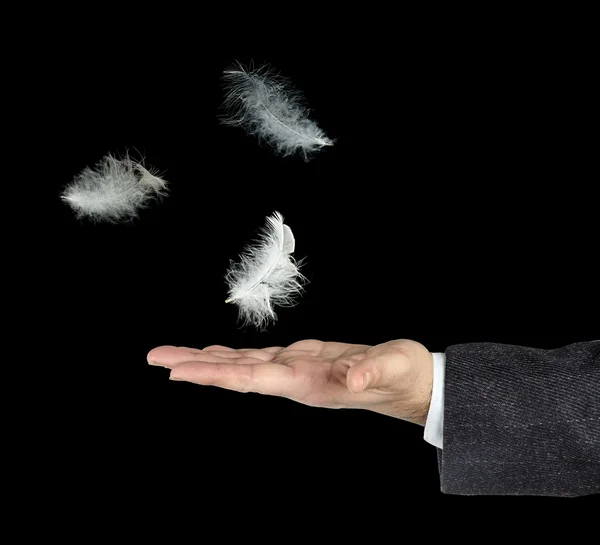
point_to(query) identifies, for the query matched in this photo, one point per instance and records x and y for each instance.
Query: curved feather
(265, 104)
(266, 274)
(115, 189)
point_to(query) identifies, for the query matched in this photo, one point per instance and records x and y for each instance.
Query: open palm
(393, 378)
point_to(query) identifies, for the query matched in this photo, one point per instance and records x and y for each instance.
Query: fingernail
(155, 364)
(366, 380)
(171, 377)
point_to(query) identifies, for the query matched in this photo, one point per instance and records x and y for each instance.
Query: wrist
(415, 388)
(423, 389)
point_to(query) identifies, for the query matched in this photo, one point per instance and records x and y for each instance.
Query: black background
(455, 206)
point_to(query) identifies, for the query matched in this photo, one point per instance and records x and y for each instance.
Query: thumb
(387, 371)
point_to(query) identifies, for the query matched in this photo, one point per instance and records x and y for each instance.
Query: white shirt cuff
(434, 427)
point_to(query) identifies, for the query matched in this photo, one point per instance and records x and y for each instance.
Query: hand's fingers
(282, 356)
(385, 371)
(204, 357)
(262, 355)
(219, 348)
(170, 356)
(263, 378)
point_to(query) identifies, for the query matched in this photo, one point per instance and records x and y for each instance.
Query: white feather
(115, 189)
(265, 104)
(266, 274)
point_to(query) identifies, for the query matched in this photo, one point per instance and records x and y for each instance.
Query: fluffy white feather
(266, 274)
(266, 104)
(115, 189)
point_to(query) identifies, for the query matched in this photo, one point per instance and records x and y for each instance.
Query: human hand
(393, 378)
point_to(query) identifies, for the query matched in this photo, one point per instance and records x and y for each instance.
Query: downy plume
(266, 275)
(266, 104)
(114, 190)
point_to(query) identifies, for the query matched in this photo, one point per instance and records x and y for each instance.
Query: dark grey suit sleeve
(521, 421)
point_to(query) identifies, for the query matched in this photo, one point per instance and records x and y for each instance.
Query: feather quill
(267, 105)
(114, 190)
(266, 275)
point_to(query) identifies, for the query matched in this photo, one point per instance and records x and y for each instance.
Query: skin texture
(393, 378)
